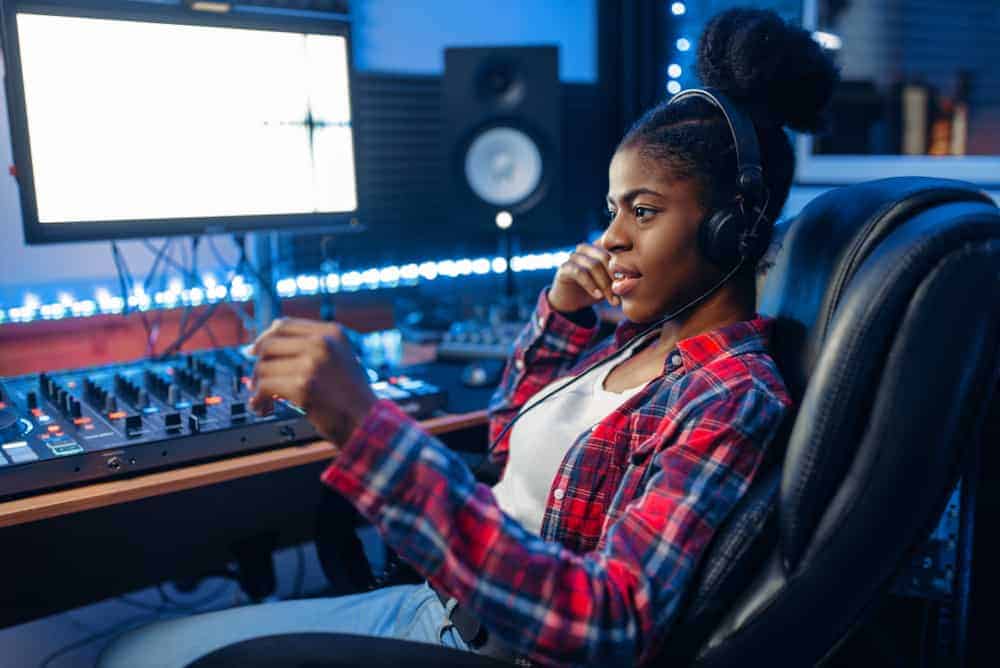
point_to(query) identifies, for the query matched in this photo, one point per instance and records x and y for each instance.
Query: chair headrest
(814, 255)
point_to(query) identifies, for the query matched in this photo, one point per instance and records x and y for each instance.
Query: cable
(691, 304)
(240, 241)
(127, 283)
(182, 327)
(147, 284)
(245, 320)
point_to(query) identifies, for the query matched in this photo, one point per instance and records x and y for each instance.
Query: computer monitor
(140, 119)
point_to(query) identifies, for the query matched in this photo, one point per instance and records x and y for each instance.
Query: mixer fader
(81, 425)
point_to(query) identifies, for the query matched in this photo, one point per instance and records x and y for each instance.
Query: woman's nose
(614, 237)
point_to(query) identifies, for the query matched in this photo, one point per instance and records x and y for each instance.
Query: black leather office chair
(886, 297)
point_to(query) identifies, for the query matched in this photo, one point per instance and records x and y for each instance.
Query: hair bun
(775, 69)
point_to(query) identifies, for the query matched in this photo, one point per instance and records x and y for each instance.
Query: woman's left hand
(312, 365)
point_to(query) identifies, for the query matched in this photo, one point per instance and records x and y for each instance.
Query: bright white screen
(138, 121)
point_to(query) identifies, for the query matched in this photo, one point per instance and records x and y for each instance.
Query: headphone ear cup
(719, 237)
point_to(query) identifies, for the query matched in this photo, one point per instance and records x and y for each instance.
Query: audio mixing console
(87, 424)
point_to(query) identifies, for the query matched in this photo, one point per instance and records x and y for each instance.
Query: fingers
(282, 346)
(285, 377)
(592, 273)
(297, 328)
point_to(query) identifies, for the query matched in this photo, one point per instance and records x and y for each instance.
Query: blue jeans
(408, 612)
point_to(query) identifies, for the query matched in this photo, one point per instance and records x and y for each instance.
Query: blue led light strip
(177, 294)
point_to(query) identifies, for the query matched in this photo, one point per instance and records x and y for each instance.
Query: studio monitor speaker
(503, 140)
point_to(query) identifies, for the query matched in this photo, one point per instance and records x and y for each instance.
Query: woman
(615, 482)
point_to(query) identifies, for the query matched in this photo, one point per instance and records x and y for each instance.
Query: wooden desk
(72, 547)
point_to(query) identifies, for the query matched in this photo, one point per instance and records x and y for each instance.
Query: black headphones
(731, 235)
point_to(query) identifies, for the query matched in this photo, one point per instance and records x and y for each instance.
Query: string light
(678, 8)
(210, 290)
(683, 44)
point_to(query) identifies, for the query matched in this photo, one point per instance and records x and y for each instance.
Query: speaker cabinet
(503, 140)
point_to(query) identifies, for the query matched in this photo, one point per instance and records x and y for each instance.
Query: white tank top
(539, 440)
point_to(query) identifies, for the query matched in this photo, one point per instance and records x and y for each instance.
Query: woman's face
(653, 238)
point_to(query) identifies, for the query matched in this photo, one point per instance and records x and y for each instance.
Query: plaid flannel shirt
(631, 510)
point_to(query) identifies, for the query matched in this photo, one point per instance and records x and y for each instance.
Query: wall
(409, 36)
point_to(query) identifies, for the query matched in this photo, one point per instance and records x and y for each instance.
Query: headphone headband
(750, 175)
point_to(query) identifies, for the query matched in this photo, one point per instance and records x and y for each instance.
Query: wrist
(583, 316)
(558, 303)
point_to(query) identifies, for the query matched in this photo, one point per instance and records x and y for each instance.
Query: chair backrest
(885, 296)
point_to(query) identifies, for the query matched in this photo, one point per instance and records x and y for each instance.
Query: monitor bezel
(36, 232)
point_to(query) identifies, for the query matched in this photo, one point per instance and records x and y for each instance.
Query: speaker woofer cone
(503, 166)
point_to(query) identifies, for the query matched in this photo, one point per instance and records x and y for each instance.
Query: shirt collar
(740, 337)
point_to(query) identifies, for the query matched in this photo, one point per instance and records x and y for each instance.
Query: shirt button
(675, 359)
(559, 494)
(519, 364)
(541, 322)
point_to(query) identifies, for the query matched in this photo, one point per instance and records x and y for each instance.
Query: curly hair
(775, 72)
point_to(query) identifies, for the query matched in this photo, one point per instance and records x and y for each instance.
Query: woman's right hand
(582, 280)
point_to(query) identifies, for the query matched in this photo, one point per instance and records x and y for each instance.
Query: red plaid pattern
(632, 508)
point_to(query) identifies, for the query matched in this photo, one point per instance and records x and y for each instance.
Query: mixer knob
(10, 425)
(238, 411)
(110, 403)
(200, 410)
(75, 410)
(141, 399)
(172, 394)
(205, 388)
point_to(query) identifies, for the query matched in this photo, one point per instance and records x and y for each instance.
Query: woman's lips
(624, 282)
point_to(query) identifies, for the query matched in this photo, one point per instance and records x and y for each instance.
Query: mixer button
(172, 421)
(133, 424)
